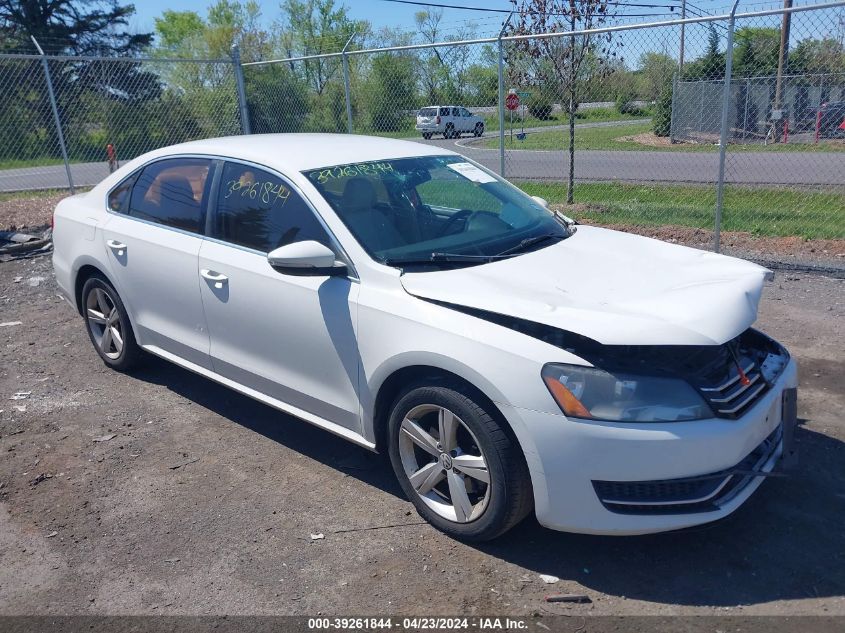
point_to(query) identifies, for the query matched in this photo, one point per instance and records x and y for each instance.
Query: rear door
(289, 337)
(467, 121)
(152, 240)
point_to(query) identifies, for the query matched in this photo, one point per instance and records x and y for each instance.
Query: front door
(289, 337)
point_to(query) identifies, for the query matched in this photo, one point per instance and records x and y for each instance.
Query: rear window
(428, 112)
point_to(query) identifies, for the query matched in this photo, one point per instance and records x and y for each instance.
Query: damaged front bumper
(599, 477)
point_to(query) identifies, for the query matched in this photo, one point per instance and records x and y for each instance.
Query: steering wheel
(462, 215)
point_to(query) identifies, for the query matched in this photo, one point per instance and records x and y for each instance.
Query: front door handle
(218, 279)
(118, 247)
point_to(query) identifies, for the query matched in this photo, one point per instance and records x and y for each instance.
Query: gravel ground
(204, 502)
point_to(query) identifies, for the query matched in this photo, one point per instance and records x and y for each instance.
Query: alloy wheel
(104, 322)
(444, 463)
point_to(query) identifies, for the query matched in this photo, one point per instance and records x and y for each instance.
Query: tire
(479, 130)
(111, 334)
(482, 447)
(450, 131)
(426, 135)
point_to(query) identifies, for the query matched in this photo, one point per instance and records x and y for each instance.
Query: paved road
(747, 168)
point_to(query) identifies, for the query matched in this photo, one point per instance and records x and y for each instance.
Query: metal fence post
(346, 90)
(672, 108)
(239, 85)
(502, 98)
(723, 137)
(56, 118)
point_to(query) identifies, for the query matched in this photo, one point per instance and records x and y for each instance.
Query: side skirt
(341, 431)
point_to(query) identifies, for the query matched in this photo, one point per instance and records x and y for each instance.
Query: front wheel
(108, 324)
(479, 130)
(459, 467)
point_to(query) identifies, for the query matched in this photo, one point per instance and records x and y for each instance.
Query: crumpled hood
(615, 288)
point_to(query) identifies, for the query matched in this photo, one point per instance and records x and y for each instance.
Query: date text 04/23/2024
(417, 623)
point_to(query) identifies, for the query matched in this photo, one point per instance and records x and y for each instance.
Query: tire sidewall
(128, 352)
(490, 523)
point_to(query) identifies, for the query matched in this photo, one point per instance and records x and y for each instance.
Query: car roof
(300, 152)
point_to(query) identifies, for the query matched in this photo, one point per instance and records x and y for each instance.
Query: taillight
(438, 119)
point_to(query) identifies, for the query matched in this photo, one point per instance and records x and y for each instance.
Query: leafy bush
(662, 120)
(540, 106)
(625, 104)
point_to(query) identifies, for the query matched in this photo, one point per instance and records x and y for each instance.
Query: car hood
(615, 288)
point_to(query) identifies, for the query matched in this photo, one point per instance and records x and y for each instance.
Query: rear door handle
(217, 278)
(118, 247)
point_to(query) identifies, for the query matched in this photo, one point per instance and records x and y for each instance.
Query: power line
(671, 6)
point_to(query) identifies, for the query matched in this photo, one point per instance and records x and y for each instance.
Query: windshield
(435, 208)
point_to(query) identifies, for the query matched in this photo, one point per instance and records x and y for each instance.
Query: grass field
(768, 211)
(607, 138)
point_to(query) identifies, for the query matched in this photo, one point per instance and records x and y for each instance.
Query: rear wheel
(450, 131)
(108, 324)
(426, 135)
(464, 474)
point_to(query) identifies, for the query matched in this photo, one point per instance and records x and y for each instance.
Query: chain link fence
(99, 112)
(723, 132)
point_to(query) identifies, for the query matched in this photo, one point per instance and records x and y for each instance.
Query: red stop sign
(512, 101)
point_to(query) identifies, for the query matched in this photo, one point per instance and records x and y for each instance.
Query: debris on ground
(21, 395)
(52, 534)
(568, 597)
(104, 438)
(10, 323)
(549, 579)
(190, 461)
(40, 478)
(317, 537)
(18, 245)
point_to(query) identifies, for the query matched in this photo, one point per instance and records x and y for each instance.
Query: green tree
(711, 65)
(655, 73)
(391, 92)
(78, 27)
(87, 92)
(559, 61)
(756, 52)
(314, 27)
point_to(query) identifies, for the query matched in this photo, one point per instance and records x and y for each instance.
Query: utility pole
(778, 112)
(683, 27)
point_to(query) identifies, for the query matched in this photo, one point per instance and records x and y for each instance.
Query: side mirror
(305, 258)
(541, 201)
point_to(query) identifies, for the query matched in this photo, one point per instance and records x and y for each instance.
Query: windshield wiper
(441, 258)
(528, 242)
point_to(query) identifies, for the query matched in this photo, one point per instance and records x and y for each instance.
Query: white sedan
(413, 302)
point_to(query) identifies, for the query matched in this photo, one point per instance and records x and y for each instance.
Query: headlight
(586, 392)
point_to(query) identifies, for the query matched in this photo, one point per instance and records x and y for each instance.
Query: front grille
(735, 395)
(704, 493)
(731, 391)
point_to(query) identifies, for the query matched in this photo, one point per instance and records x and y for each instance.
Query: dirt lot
(204, 501)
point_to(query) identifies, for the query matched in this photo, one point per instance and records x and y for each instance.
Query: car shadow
(273, 424)
(786, 543)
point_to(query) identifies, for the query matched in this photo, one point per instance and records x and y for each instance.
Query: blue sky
(381, 13)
